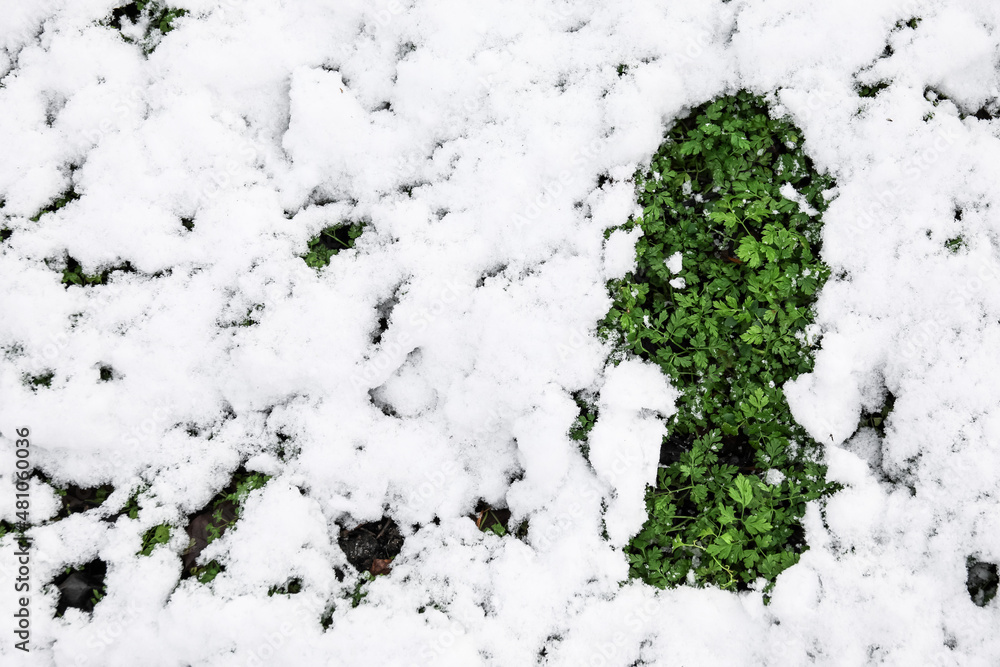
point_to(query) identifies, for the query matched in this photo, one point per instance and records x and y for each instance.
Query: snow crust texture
(471, 138)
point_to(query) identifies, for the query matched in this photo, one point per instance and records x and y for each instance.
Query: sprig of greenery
(131, 507)
(729, 334)
(584, 424)
(245, 483)
(73, 274)
(489, 521)
(156, 535)
(157, 18)
(290, 587)
(61, 201)
(36, 381)
(331, 241)
(361, 588)
(207, 572)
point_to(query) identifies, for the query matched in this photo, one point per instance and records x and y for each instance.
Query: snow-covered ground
(265, 121)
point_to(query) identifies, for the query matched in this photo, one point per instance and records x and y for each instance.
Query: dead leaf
(381, 566)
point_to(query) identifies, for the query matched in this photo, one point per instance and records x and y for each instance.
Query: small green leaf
(742, 492)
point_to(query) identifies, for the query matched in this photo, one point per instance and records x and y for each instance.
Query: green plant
(360, 588)
(36, 381)
(954, 244)
(131, 507)
(331, 241)
(226, 508)
(61, 201)
(156, 535)
(250, 318)
(871, 90)
(73, 274)
(156, 17)
(489, 521)
(207, 572)
(250, 481)
(580, 431)
(727, 327)
(326, 620)
(290, 587)
(76, 499)
(6, 527)
(163, 20)
(244, 484)
(876, 420)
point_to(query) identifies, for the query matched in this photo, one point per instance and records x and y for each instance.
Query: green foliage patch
(872, 90)
(153, 19)
(493, 521)
(954, 244)
(73, 273)
(41, 380)
(61, 201)
(7, 527)
(585, 420)
(156, 535)
(728, 329)
(360, 590)
(290, 587)
(331, 241)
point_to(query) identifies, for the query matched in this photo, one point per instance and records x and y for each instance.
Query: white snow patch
(675, 262)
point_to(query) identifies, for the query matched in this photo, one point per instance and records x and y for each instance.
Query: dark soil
(673, 446)
(218, 515)
(486, 517)
(76, 499)
(370, 546)
(129, 11)
(77, 588)
(736, 451)
(982, 581)
(81, 500)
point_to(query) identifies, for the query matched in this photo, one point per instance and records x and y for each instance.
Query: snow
(471, 140)
(625, 441)
(675, 262)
